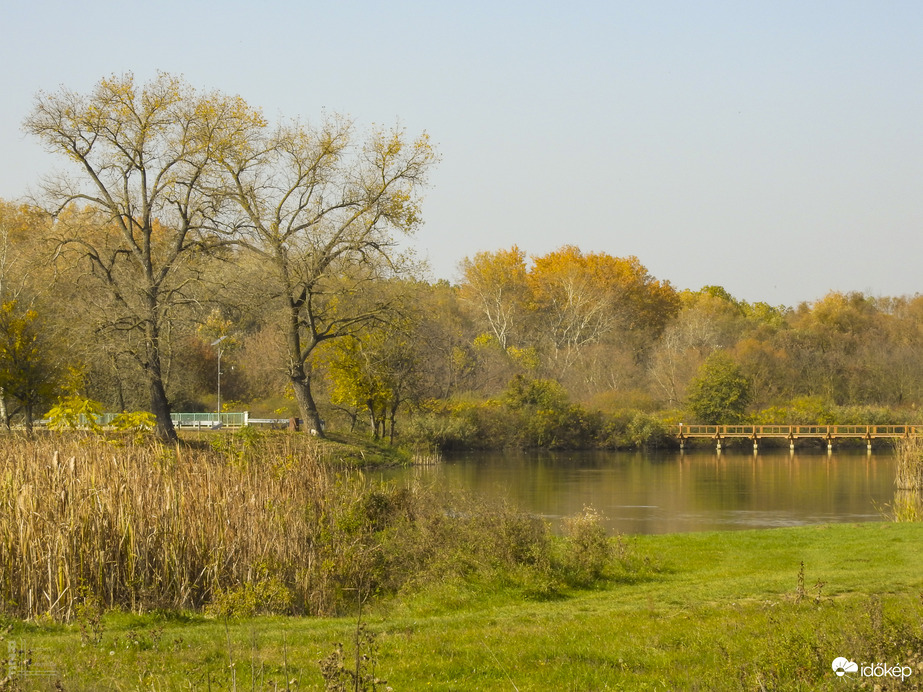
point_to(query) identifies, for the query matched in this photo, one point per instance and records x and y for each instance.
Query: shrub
(630, 429)
(266, 594)
(542, 416)
(645, 430)
(808, 410)
(455, 536)
(587, 552)
(74, 412)
(440, 431)
(139, 424)
(239, 445)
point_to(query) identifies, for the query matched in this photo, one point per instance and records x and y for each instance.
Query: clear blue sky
(774, 148)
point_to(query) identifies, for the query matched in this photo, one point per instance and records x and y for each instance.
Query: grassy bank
(742, 610)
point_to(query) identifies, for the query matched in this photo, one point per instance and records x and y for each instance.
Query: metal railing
(795, 431)
(226, 419)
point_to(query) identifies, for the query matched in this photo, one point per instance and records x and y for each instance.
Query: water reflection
(666, 493)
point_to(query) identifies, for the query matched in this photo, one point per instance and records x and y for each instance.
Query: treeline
(191, 232)
(568, 349)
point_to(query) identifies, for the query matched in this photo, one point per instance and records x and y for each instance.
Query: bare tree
(144, 158)
(323, 213)
(495, 285)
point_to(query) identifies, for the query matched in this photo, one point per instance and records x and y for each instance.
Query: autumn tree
(595, 316)
(322, 208)
(22, 255)
(495, 285)
(376, 371)
(898, 366)
(145, 167)
(24, 274)
(766, 368)
(708, 321)
(827, 346)
(577, 298)
(442, 338)
(720, 392)
(27, 369)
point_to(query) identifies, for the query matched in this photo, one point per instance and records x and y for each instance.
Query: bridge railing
(795, 431)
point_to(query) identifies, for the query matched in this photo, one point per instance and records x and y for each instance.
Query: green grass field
(743, 610)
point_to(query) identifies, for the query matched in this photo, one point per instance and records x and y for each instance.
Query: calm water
(667, 493)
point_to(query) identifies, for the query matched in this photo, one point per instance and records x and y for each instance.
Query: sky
(773, 148)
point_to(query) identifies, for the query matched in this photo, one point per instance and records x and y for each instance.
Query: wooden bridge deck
(829, 433)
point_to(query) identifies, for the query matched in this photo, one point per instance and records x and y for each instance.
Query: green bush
(815, 410)
(239, 445)
(645, 430)
(454, 536)
(586, 553)
(139, 424)
(533, 414)
(266, 594)
(73, 412)
(869, 415)
(540, 415)
(808, 410)
(442, 431)
(629, 429)
(523, 393)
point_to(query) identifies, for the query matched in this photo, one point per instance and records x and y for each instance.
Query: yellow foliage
(526, 357)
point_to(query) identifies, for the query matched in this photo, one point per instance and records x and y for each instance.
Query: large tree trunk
(301, 385)
(29, 419)
(373, 419)
(4, 415)
(160, 405)
(393, 417)
(298, 373)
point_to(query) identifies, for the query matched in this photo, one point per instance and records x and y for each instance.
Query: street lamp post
(217, 342)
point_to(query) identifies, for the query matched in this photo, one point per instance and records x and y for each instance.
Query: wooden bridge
(827, 433)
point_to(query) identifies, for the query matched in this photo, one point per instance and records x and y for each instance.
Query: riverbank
(736, 610)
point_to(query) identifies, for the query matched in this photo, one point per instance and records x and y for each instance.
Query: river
(649, 493)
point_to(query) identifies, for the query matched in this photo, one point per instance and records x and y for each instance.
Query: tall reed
(910, 464)
(252, 523)
(157, 527)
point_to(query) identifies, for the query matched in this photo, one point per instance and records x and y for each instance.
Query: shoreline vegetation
(261, 561)
(539, 414)
(250, 522)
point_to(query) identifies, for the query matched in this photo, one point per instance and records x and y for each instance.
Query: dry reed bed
(910, 464)
(155, 527)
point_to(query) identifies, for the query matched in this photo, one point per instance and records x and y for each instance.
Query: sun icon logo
(841, 666)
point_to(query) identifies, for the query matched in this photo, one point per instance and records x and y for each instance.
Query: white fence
(202, 421)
